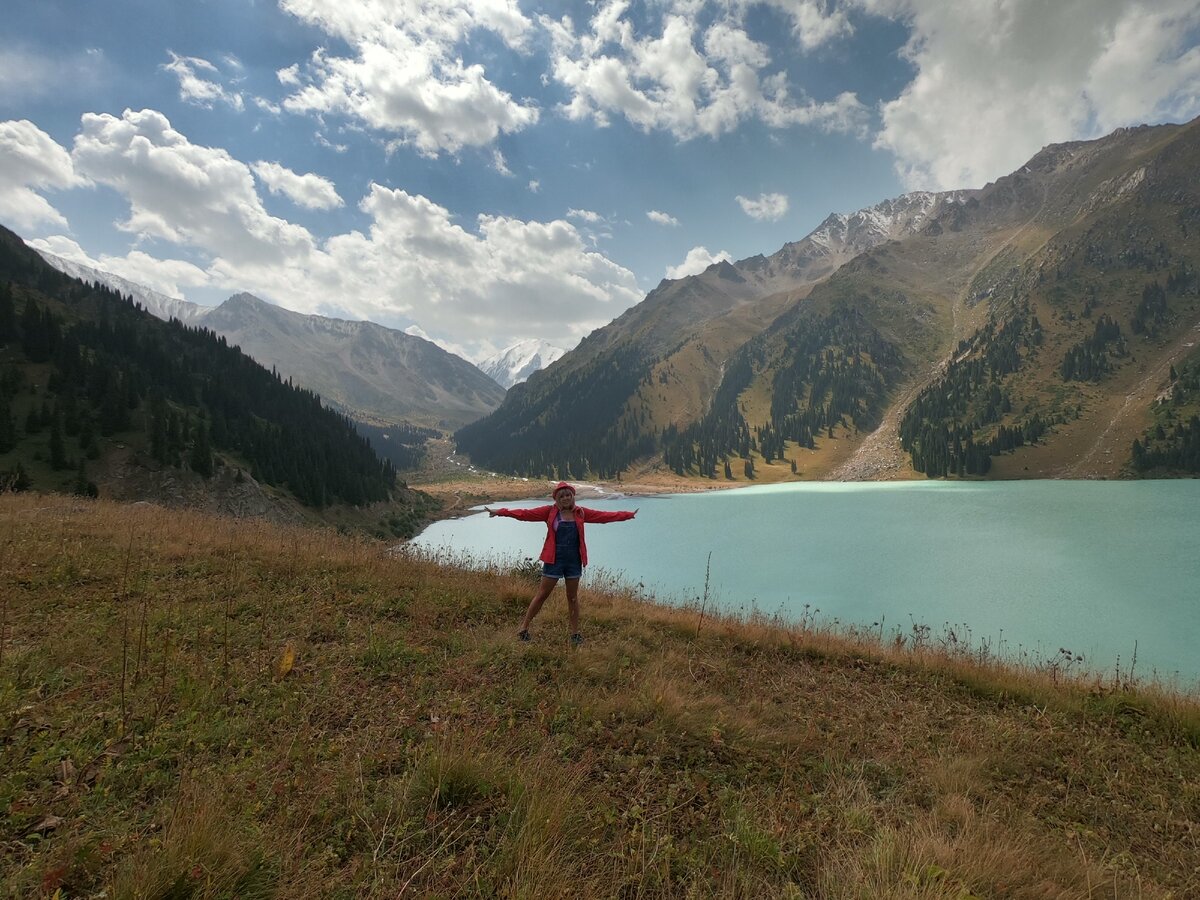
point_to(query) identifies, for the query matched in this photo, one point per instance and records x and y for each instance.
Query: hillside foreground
(201, 707)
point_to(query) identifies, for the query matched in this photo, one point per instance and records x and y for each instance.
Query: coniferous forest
(567, 439)
(953, 427)
(836, 374)
(89, 365)
(1173, 444)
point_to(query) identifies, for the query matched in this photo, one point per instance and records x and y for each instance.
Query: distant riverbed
(1032, 567)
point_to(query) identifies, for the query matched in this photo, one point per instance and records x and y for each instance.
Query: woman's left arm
(600, 516)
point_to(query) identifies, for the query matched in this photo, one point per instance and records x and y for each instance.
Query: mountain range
(1032, 327)
(373, 373)
(100, 397)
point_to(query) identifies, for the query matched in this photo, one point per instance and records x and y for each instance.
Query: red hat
(560, 486)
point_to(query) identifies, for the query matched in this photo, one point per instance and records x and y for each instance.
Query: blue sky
(484, 171)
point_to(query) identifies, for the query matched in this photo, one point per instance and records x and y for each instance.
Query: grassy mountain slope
(777, 388)
(203, 707)
(657, 364)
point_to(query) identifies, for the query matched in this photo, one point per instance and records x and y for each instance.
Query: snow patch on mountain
(516, 363)
(890, 220)
(155, 303)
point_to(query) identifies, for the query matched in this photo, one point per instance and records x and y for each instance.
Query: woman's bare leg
(572, 585)
(535, 605)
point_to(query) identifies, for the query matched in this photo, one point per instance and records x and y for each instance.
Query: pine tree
(8, 428)
(8, 315)
(58, 452)
(201, 459)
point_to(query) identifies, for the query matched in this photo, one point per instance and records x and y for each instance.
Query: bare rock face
(230, 491)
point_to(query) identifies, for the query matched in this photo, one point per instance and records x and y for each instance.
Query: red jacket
(547, 513)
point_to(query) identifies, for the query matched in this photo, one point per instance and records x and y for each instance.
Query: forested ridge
(834, 371)
(1173, 443)
(80, 363)
(954, 426)
(577, 429)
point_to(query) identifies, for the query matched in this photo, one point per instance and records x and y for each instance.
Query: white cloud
(764, 207)
(813, 22)
(289, 76)
(407, 75)
(997, 81)
(449, 346)
(662, 218)
(310, 191)
(500, 165)
(502, 278)
(163, 275)
(198, 90)
(31, 161)
(585, 215)
(687, 79)
(185, 193)
(534, 186)
(697, 260)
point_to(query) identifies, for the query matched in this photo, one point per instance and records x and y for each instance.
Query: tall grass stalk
(704, 600)
(122, 597)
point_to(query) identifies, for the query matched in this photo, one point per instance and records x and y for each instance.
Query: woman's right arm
(537, 514)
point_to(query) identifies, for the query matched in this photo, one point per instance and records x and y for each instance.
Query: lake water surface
(1032, 566)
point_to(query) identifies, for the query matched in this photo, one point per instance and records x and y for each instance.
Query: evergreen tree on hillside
(201, 460)
(8, 315)
(58, 451)
(8, 428)
(105, 356)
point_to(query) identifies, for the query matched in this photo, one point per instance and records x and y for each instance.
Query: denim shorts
(562, 570)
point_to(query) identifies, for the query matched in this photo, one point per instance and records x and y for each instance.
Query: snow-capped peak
(516, 363)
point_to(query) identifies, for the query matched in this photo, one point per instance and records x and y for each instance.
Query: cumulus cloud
(167, 276)
(813, 22)
(502, 277)
(997, 81)
(534, 186)
(662, 218)
(764, 207)
(697, 260)
(310, 191)
(407, 75)
(197, 89)
(183, 192)
(686, 78)
(31, 161)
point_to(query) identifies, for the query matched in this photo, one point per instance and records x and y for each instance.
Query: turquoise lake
(1032, 566)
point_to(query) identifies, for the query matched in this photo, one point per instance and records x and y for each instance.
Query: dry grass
(154, 743)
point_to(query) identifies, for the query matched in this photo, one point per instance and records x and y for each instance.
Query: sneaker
(523, 635)
(576, 641)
